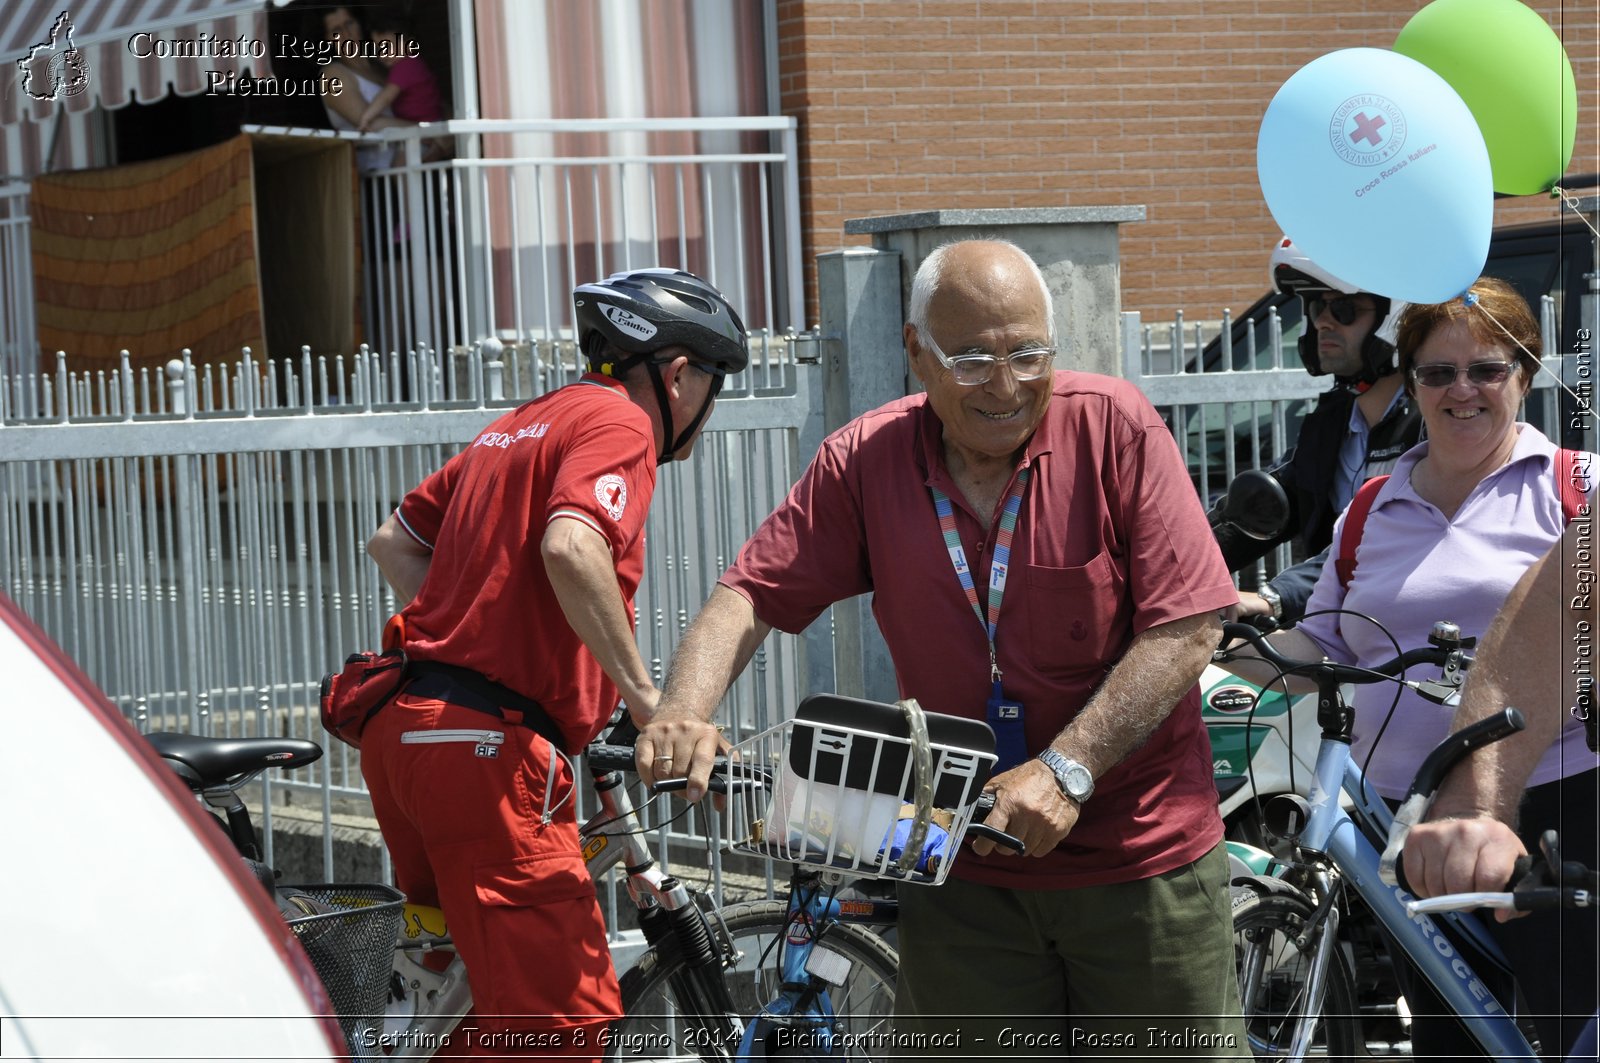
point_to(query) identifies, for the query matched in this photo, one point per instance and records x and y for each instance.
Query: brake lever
(1439, 693)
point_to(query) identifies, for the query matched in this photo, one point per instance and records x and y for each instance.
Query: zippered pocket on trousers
(477, 737)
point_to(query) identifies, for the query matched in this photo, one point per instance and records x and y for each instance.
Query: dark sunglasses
(1344, 308)
(1443, 374)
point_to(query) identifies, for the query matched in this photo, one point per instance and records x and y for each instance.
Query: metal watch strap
(1269, 594)
(1075, 780)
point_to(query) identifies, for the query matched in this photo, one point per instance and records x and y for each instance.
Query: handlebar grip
(1454, 749)
(980, 811)
(604, 757)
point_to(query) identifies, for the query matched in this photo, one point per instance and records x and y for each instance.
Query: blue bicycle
(1296, 982)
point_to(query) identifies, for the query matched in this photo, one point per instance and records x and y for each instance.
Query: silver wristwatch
(1074, 779)
(1269, 594)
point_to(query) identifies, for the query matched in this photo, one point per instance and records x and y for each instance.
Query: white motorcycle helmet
(1293, 273)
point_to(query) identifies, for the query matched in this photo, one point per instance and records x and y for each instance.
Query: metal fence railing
(18, 334)
(194, 538)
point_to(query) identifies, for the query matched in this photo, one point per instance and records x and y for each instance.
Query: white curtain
(596, 59)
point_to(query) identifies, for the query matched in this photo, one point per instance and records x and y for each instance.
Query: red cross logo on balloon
(1367, 130)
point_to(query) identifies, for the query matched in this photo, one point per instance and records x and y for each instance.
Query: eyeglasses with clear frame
(976, 366)
(1444, 374)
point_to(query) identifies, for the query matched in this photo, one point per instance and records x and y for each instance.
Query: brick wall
(924, 104)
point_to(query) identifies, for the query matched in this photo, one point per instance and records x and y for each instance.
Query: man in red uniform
(517, 564)
(1090, 611)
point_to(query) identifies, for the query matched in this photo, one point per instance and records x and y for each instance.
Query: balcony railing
(490, 242)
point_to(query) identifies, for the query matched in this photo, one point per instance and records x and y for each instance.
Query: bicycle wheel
(653, 1028)
(1272, 978)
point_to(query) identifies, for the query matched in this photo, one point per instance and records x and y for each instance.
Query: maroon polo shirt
(1110, 541)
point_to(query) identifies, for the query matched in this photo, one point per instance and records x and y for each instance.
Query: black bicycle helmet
(642, 311)
(1292, 272)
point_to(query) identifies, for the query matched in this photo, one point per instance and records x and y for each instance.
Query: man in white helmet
(1358, 429)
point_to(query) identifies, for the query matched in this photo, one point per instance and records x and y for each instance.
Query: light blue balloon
(1376, 169)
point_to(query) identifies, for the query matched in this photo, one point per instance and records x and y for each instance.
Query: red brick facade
(922, 104)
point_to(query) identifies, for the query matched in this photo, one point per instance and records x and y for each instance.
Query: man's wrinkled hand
(677, 745)
(1466, 855)
(1030, 806)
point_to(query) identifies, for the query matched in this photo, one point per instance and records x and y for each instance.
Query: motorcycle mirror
(1256, 504)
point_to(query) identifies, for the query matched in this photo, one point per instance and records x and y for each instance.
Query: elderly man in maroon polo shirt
(1113, 934)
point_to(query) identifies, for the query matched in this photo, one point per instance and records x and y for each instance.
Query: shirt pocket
(1074, 614)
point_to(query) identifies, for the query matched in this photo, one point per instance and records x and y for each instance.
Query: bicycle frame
(1331, 832)
(805, 960)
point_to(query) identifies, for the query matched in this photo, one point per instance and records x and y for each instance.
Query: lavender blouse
(1415, 567)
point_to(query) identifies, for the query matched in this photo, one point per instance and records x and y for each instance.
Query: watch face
(1073, 778)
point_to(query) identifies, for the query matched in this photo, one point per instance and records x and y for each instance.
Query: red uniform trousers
(461, 798)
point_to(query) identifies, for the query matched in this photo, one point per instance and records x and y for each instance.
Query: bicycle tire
(1265, 926)
(652, 1029)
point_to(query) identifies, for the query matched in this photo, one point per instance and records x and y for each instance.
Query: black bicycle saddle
(205, 762)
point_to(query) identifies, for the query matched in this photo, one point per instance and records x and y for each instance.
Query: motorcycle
(1263, 741)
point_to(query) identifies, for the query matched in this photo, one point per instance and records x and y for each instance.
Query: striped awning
(40, 71)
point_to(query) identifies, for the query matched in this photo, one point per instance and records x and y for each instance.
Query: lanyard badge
(1005, 719)
(1005, 715)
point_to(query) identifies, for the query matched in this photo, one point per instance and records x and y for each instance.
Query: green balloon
(1510, 68)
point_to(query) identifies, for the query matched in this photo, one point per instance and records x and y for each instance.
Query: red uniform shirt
(1110, 541)
(584, 451)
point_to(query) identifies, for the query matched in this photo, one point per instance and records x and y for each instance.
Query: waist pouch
(472, 690)
(352, 696)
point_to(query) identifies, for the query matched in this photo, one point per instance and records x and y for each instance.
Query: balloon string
(1471, 299)
(1571, 201)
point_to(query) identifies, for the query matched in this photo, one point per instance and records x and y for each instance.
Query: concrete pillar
(1076, 248)
(864, 361)
(864, 366)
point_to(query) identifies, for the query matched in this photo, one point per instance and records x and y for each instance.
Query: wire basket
(350, 933)
(834, 787)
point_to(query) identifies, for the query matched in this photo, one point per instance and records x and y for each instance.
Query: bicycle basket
(831, 787)
(351, 943)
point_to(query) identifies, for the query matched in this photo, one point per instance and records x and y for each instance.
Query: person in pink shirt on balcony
(412, 93)
(1463, 515)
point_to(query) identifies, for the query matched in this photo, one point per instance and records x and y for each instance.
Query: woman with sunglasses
(1449, 533)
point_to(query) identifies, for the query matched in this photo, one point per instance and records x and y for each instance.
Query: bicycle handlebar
(604, 757)
(980, 812)
(1344, 673)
